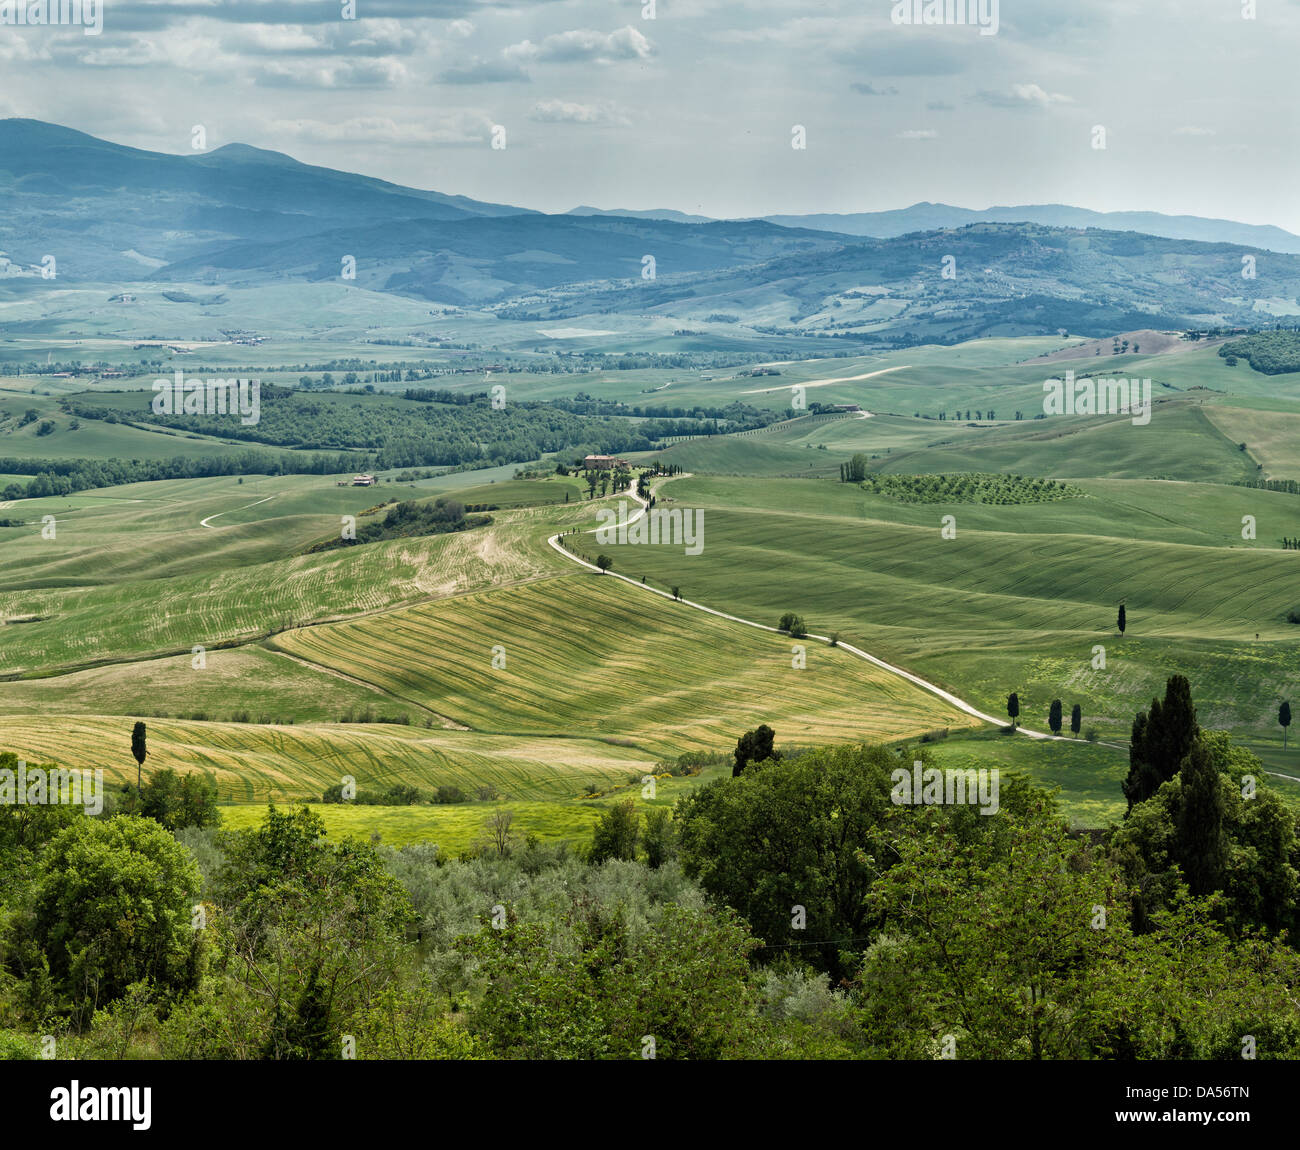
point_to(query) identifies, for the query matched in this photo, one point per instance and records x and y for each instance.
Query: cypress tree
(753, 747)
(1199, 842)
(1161, 739)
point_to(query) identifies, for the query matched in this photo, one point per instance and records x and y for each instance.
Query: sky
(695, 104)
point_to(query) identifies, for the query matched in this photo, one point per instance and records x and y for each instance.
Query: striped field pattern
(251, 763)
(590, 656)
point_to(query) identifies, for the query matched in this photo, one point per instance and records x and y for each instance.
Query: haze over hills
(930, 217)
(925, 217)
(94, 202)
(1006, 279)
(649, 214)
(244, 217)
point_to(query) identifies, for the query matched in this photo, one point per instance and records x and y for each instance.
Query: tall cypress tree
(1199, 841)
(1076, 718)
(1054, 716)
(1122, 621)
(1160, 741)
(139, 751)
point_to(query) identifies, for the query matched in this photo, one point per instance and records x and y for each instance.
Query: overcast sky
(694, 109)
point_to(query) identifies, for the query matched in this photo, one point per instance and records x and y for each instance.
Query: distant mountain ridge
(928, 217)
(241, 216)
(650, 214)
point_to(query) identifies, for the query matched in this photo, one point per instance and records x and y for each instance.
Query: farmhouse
(605, 463)
(363, 481)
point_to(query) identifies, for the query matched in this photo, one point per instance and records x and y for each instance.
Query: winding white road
(205, 523)
(924, 684)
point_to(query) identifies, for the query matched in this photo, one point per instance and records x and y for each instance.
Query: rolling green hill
(1020, 598)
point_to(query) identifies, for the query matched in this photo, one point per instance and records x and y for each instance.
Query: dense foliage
(411, 519)
(794, 911)
(1269, 352)
(973, 488)
(393, 432)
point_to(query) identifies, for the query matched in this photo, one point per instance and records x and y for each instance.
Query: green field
(98, 625)
(93, 599)
(1022, 595)
(585, 656)
(251, 763)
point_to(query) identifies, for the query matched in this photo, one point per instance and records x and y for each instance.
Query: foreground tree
(793, 835)
(317, 929)
(1235, 838)
(179, 801)
(1200, 846)
(1161, 739)
(113, 907)
(616, 833)
(754, 746)
(1013, 707)
(1019, 894)
(1122, 621)
(1071, 979)
(682, 983)
(659, 837)
(604, 562)
(1284, 717)
(1076, 719)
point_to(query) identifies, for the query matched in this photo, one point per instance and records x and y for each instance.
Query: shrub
(793, 624)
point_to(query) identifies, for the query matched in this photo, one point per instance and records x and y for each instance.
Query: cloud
(485, 72)
(939, 106)
(584, 44)
(918, 134)
(1023, 96)
(346, 74)
(563, 112)
(454, 128)
(151, 15)
(869, 90)
(1192, 130)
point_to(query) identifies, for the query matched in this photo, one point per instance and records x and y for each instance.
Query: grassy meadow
(486, 659)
